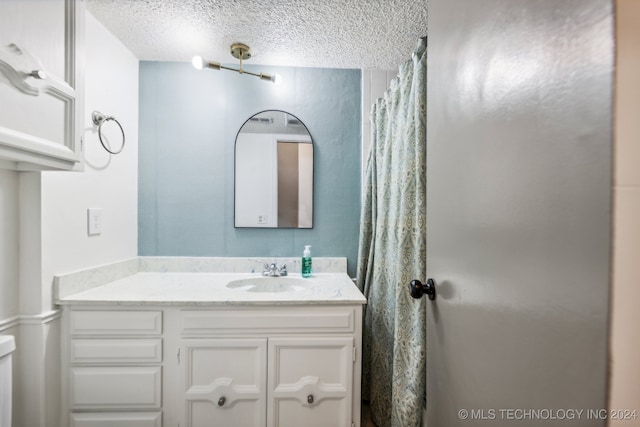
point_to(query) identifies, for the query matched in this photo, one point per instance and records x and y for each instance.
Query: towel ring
(99, 119)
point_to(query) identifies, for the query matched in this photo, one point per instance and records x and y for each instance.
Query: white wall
(257, 184)
(109, 182)
(625, 335)
(305, 185)
(52, 224)
(8, 244)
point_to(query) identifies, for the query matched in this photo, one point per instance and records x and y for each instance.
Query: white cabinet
(274, 367)
(262, 366)
(114, 369)
(131, 419)
(116, 387)
(225, 382)
(237, 382)
(310, 379)
(41, 84)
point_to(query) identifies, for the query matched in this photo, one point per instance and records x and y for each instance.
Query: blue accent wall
(188, 124)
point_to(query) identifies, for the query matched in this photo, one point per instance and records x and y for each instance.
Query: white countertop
(201, 288)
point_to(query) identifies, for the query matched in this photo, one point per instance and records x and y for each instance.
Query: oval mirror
(274, 172)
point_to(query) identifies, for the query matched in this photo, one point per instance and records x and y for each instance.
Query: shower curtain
(392, 250)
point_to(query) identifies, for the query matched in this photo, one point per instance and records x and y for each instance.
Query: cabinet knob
(221, 401)
(38, 74)
(310, 399)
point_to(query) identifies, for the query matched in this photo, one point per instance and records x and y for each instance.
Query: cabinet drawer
(116, 387)
(226, 322)
(135, 350)
(117, 419)
(116, 322)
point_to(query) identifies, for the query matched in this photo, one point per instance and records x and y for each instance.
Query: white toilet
(7, 346)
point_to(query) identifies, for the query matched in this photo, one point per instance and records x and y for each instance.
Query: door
(310, 382)
(224, 382)
(518, 211)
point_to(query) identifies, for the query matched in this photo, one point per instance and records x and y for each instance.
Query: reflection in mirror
(274, 172)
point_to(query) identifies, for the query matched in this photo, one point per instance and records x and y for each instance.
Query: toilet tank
(7, 346)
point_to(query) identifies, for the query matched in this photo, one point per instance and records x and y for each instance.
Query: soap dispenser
(306, 261)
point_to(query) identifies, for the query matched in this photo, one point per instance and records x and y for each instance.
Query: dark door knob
(417, 289)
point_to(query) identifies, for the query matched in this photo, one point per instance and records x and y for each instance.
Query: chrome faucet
(273, 269)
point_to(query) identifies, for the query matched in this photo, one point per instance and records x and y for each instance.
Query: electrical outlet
(263, 219)
(94, 221)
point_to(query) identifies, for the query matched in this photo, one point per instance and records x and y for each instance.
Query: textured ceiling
(304, 33)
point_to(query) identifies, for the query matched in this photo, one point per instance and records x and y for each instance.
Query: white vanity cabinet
(224, 382)
(114, 368)
(310, 379)
(277, 382)
(41, 66)
(284, 366)
(224, 365)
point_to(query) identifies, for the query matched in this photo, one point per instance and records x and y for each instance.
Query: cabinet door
(224, 382)
(40, 111)
(310, 382)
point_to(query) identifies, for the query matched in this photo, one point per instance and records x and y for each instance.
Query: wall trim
(40, 319)
(30, 319)
(9, 323)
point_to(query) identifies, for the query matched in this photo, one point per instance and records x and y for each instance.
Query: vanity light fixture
(239, 51)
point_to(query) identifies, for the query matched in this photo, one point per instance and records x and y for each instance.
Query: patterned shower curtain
(392, 250)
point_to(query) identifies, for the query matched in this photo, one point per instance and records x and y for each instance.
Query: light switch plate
(94, 221)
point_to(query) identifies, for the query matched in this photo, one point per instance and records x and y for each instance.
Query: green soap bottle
(306, 261)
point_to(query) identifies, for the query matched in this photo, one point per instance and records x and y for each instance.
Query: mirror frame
(235, 161)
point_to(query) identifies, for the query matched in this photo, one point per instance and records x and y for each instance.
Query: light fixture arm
(241, 52)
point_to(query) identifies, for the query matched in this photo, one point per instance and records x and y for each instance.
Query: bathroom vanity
(226, 349)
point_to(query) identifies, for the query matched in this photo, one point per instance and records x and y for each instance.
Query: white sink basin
(269, 284)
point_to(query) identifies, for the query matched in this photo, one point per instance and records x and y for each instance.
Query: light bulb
(277, 79)
(198, 62)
